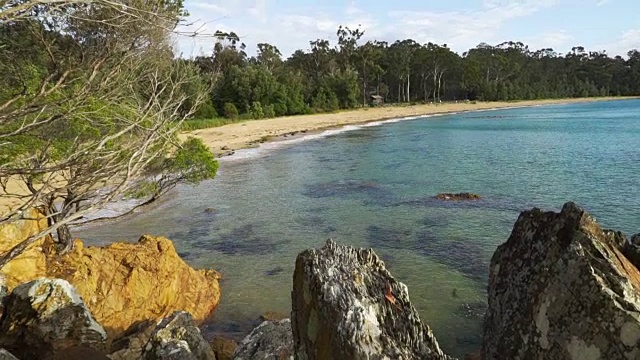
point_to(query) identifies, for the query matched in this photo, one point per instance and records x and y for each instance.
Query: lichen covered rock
(5, 355)
(560, 288)
(458, 197)
(271, 340)
(177, 338)
(46, 316)
(125, 283)
(346, 305)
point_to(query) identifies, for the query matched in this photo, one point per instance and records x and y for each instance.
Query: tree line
(344, 75)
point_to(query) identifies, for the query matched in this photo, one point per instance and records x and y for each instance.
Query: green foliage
(193, 161)
(196, 124)
(230, 111)
(256, 110)
(205, 111)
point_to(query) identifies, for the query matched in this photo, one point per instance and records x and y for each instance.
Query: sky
(611, 25)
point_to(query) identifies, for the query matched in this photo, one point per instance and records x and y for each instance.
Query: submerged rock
(346, 305)
(559, 288)
(177, 338)
(271, 340)
(458, 196)
(45, 317)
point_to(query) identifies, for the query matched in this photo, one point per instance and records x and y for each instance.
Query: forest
(346, 73)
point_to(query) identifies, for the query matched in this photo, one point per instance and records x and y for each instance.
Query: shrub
(205, 111)
(256, 110)
(230, 111)
(269, 111)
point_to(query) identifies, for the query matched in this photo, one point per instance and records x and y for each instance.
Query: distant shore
(225, 139)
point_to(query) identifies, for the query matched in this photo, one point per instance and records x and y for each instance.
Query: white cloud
(629, 39)
(602, 2)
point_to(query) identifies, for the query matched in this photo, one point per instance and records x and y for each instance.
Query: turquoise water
(373, 187)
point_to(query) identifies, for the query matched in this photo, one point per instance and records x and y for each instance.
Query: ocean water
(373, 186)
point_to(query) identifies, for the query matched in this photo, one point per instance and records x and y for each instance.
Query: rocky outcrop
(560, 288)
(122, 283)
(131, 344)
(458, 197)
(5, 355)
(45, 317)
(271, 340)
(177, 338)
(125, 283)
(223, 348)
(32, 263)
(346, 305)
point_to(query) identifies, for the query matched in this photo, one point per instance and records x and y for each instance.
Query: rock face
(223, 348)
(458, 197)
(131, 344)
(559, 288)
(177, 338)
(45, 317)
(31, 264)
(122, 283)
(271, 340)
(346, 305)
(5, 355)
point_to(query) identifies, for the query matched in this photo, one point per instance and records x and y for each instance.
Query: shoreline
(253, 134)
(254, 137)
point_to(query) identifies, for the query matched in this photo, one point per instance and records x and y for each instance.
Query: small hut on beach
(376, 100)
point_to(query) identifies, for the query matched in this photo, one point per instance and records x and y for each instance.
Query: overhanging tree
(90, 107)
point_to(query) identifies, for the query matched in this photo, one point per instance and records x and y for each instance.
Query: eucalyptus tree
(90, 107)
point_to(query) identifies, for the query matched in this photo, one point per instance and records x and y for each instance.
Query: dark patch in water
(236, 329)
(373, 193)
(311, 221)
(243, 240)
(275, 271)
(330, 229)
(185, 255)
(435, 220)
(389, 238)
(484, 203)
(462, 255)
(469, 340)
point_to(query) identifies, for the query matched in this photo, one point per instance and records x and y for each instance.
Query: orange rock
(122, 283)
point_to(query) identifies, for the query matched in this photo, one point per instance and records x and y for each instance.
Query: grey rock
(271, 340)
(5, 355)
(560, 288)
(346, 305)
(131, 344)
(45, 317)
(177, 338)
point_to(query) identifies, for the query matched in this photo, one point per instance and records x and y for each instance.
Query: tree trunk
(65, 243)
(408, 85)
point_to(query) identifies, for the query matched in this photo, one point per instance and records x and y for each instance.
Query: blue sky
(611, 25)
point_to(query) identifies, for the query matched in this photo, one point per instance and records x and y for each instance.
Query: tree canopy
(343, 74)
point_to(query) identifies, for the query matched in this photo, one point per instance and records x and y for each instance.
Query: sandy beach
(225, 139)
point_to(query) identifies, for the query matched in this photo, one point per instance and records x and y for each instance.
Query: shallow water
(373, 187)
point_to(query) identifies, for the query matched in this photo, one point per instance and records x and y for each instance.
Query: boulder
(131, 344)
(126, 283)
(177, 338)
(346, 305)
(271, 340)
(5, 355)
(122, 283)
(46, 316)
(458, 197)
(223, 348)
(560, 288)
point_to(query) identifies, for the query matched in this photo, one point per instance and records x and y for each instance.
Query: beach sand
(226, 139)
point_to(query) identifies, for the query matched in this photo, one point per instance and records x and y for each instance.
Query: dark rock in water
(346, 305)
(210, 211)
(177, 337)
(560, 288)
(469, 340)
(272, 316)
(269, 341)
(463, 255)
(389, 238)
(275, 271)
(458, 196)
(46, 317)
(223, 348)
(371, 192)
(243, 240)
(311, 221)
(5, 355)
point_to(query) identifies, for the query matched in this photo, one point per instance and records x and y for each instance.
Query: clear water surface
(373, 187)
